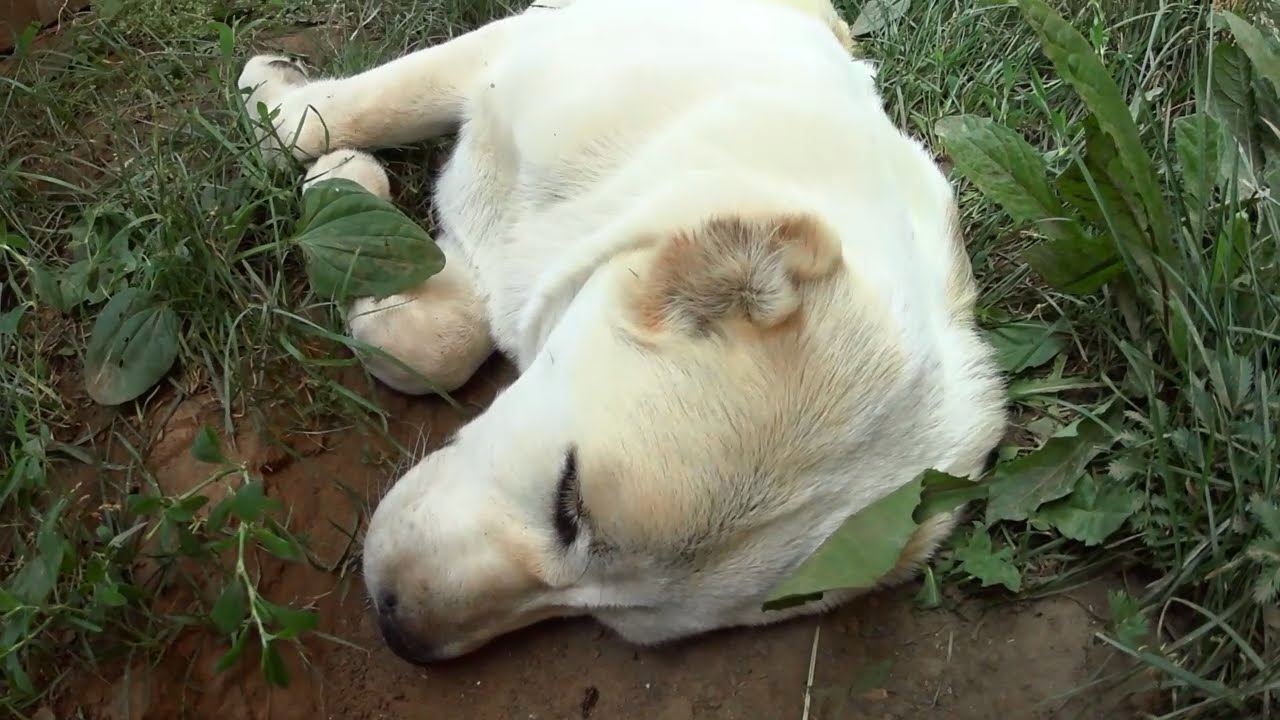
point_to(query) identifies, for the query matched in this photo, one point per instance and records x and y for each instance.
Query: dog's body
(736, 294)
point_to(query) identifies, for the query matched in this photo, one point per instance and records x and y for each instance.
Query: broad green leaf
(876, 15)
(1199, 140)
(359, 245)
(1020, 486)
(46, 285)
(17, 674)
(11, 320)
(943, 493)
(1005, 167)
(1078, 64)
(1092, 512)
(1026, 344)
(978, 558)
(37, 578)
(231, 608)
(9, 240)
(207, 448)
(133, 344)
(858, 553)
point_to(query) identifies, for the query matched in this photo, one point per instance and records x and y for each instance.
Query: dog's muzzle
(401, 641)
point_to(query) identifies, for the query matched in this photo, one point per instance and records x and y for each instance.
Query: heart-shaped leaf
(360, 245)
(133, 344)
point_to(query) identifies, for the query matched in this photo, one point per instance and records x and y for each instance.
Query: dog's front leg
(412, 98)
(435, 335)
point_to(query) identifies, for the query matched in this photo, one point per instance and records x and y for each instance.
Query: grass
(1145, 406)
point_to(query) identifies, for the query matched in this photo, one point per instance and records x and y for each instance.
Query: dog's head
(686, 406)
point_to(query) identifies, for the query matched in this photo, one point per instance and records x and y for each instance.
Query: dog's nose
(387, 603)
(400, 640)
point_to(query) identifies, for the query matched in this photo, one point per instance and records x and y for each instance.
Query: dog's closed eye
(567, 517)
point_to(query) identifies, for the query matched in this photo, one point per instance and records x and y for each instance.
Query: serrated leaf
(979, 559)
(1232, 100)
(1092, 512)
(1199, 141)
(1127, 619)
(231, 608)
(858, 553)
(1006, 168)
(1077, 63)
(876, 15)
(1265, 62)
(207, 448)
(1078, 267)
(359, 245)
(1019, 486)
(133, 344)
(1025, 344)
(273, 668)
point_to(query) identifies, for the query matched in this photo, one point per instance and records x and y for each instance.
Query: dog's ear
(732, 268)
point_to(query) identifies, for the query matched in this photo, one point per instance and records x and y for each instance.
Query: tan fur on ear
(734, 267)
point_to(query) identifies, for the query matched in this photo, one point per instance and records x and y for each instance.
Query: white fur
(733, 392)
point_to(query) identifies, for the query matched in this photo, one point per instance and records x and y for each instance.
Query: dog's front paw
(355, 165)
(264, 83)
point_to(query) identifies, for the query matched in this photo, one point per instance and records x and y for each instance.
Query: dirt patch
(879, 658)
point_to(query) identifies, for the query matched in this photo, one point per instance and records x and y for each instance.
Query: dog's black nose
(402, 642)
(387, 603)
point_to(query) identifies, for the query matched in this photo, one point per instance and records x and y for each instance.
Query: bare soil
(879, 658)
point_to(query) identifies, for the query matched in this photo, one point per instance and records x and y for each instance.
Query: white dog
(735, 292)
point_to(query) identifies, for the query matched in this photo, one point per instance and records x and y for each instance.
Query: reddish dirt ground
(878, 659)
